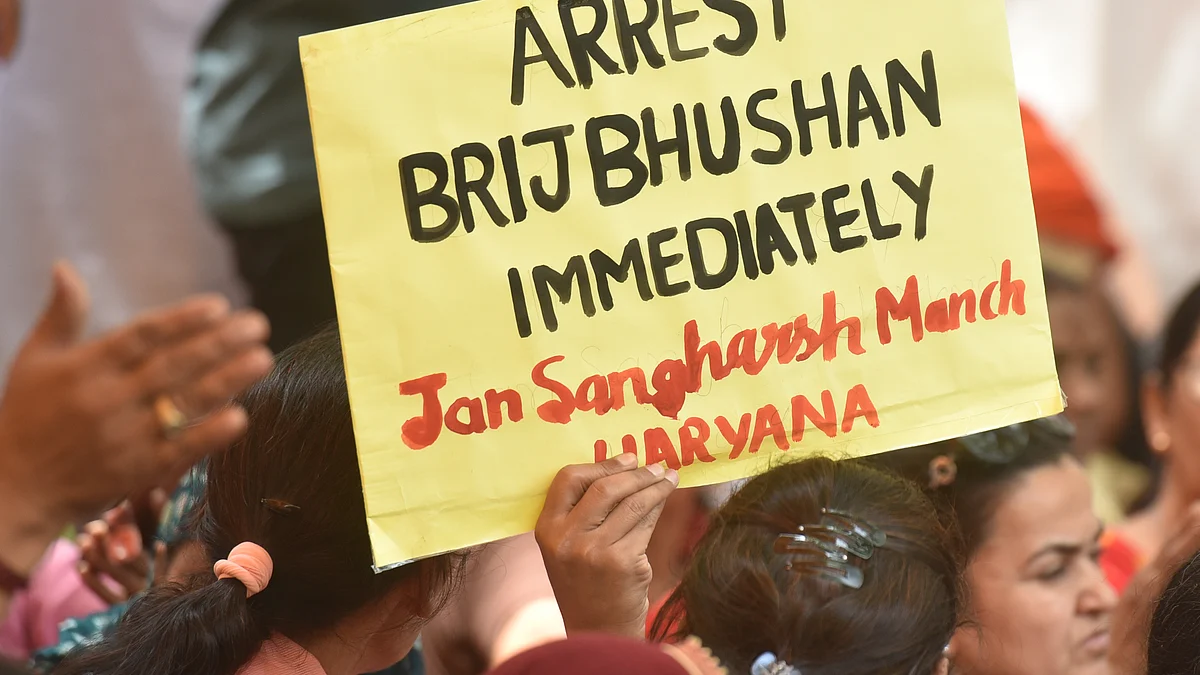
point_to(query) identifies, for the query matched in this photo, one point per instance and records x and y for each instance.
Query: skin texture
(505, 606)
(1040, 603)
(1092, 367)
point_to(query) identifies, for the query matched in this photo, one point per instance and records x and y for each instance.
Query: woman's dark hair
(1171, 648)
(299, 450)
(742, 599)
(968, 477)
(1179, 334)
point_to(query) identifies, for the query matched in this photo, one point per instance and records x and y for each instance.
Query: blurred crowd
(149, 526)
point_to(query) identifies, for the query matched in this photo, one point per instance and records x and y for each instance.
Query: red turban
(1066, 210)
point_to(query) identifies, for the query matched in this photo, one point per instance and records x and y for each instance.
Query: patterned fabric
(75, 634)
(187, 495)
(82, 632)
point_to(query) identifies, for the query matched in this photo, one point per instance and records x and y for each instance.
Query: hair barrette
(280, 507)
(839, 539)
(825, 549)
(769, 664)
(876, 537)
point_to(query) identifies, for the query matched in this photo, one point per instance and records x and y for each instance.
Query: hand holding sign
(593, 532)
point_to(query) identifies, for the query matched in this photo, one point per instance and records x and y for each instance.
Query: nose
(1098, 597)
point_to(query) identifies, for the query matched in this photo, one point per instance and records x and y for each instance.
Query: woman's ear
(1154, 414)
(943, 667)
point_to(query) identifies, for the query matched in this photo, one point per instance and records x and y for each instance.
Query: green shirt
(245, 112)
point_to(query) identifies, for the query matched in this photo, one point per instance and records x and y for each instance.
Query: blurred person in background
(1097, 359)
(1171, 400)
(246, 120)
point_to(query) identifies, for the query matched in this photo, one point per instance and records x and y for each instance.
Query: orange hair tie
(250, 564)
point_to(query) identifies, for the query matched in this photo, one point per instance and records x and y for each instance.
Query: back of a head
(292, 486)
(1171, 649)
(743, 599)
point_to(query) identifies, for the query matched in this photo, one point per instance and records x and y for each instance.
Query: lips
(1096, 645)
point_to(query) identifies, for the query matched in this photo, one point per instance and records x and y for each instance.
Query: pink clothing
(56, 593)
(280, 656)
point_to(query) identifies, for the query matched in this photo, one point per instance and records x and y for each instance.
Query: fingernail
(121, 553)
(656, 470)
(673, 476)
(627, 459)
(158, 496)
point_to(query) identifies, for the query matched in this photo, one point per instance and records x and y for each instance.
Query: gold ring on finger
(170, 417)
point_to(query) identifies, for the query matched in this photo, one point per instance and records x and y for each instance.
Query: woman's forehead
(1049, 505)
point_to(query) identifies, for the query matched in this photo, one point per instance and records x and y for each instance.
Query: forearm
(25, 534)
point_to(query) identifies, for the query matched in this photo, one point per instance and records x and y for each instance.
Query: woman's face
(1040, 603)
(1174, 414)
(1092, 367)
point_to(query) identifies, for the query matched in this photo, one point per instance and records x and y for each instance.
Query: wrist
(27, 528)
(24, 536)
(591, 625)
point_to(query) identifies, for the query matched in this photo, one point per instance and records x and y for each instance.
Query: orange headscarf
(1068, 215)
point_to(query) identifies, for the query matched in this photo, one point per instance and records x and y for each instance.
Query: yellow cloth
(1116, 484)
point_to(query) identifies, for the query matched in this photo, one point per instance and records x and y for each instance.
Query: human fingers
(224, 382)
(572, 482)
(128, 345)
(213, 434)
(632, 522)
(605, 495)
(124, 540)
(92, 579)
(172, 366)
(63, 319)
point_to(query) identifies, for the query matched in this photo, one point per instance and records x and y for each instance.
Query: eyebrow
(1066, 549)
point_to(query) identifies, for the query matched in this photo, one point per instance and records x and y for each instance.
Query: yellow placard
(715, 233)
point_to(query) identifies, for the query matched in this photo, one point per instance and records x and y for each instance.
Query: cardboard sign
(713, 233)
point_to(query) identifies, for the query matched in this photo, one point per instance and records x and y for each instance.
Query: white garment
(91, 162)
(1120, 82)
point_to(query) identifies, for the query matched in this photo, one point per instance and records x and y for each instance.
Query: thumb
(65, 316)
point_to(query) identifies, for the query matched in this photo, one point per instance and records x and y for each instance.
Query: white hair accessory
(769, 664)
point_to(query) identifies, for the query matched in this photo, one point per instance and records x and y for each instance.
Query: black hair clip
(876, 537)
(280, 507)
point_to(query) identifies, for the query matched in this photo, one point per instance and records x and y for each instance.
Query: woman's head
(1172, 397)
(1098, 367)
(744, 599)
(291, 486)
(1039, 602)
